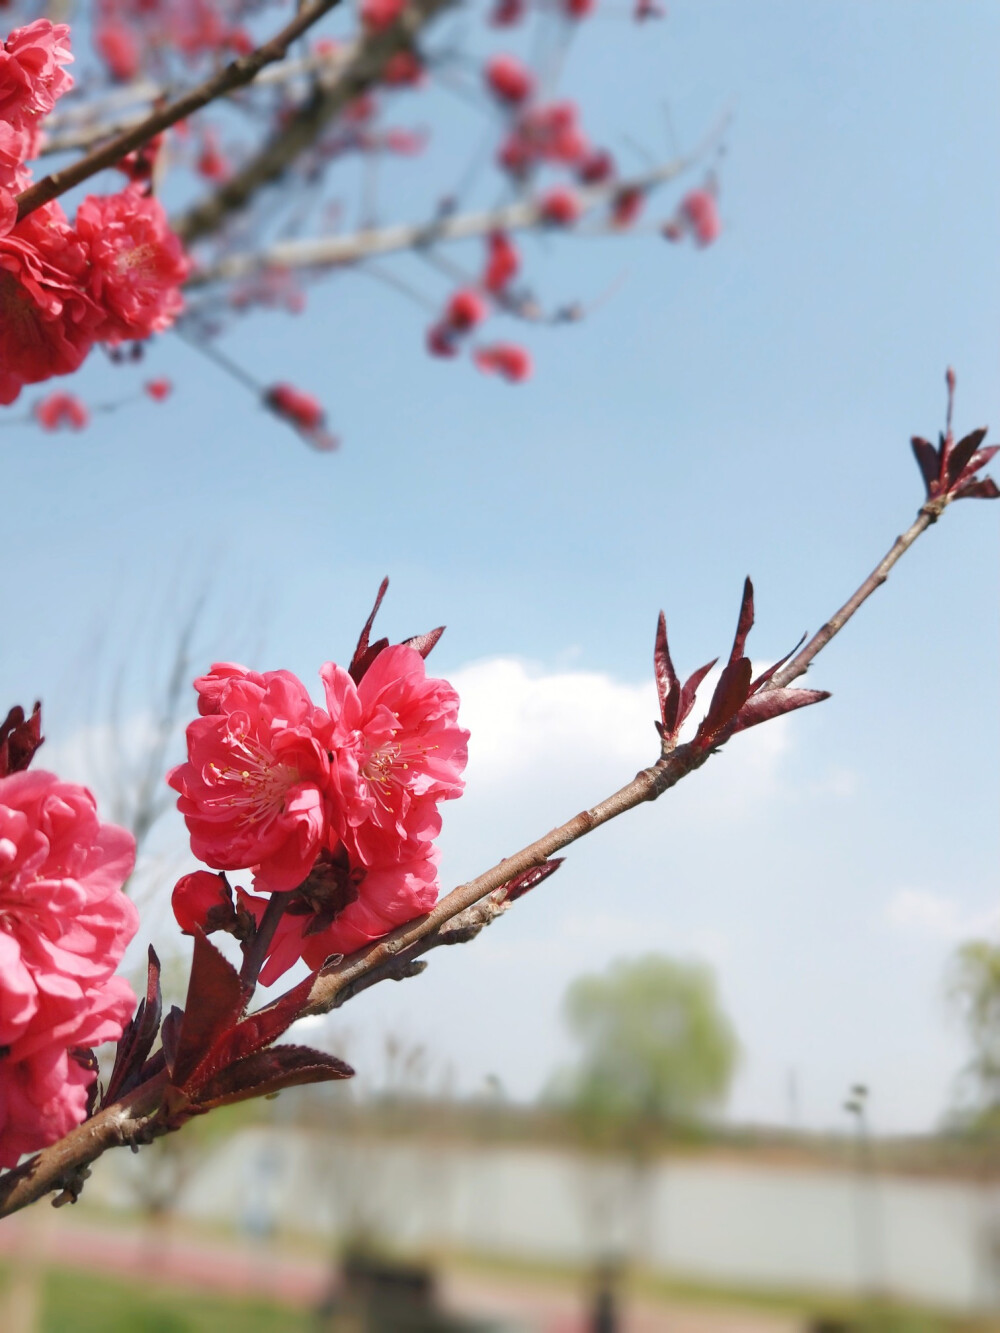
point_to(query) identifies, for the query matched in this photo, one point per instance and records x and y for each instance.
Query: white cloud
(935, 916)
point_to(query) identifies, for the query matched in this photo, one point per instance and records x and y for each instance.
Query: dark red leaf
(86, 1058)
(268, 1072)
(772, 703)
(529, 879)
(169, 1033)
(729, 697)
(744, 624)
(423, 643)
(690, 690)
(927, 460)
(20, 737)
(978, 461)
(962, 452)
(984, 489)
(138, 1037)
(765, 676)
(668, 687)
(363, 655)
(256, 1032)
(215, 1000)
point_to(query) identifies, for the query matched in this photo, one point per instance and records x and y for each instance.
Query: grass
(85, 1303)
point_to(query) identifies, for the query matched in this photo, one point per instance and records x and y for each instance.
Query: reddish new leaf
(668, 686)
(772, 703)
(765, 676)
(268, 1072)
(364, 655)
(137, 1039)
(690, 691)
(20, 737)
(215, 1001)
(256, 1032)
(744, 624)
(729, 697)
(985, 489)
(927, 460)
(530, 879)
(170, 1032)
(423, 643)
(959, 457)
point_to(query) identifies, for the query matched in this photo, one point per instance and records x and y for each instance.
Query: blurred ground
(32, 1245)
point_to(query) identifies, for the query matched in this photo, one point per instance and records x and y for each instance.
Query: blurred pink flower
(64, 926)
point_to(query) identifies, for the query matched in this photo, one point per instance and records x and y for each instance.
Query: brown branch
(237, 74)
(331, 251)
(361, 71)
(62, 1166)
(800, 663)
(459, 916)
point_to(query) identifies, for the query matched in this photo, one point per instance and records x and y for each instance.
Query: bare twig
(331, 251)
(360, 71)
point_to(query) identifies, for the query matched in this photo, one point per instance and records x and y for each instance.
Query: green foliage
(974, 991)
(86, 1303)
(657, 1050)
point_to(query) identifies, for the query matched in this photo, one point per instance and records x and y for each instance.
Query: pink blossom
(596, 167)
(252, 789)
(506, 13)
(379, 14)
(377, 899)
(64, 926)
(465, 310)
(507, 360)
(502, 262)
(118, 48)
(137, 264)
(301, 409)
(399, 750)
(559, 207)
(701, 213)
(509, 80)
(403, 69)
(61, 409)
(48, 322)
(31, 73)
(159, 389)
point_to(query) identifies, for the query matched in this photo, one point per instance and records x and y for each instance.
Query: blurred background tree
(657, 1050)
(974, 993)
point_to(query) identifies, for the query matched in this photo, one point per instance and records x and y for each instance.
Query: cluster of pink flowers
(64, 926)
(130, 33)
(468, 308)
(112, 276)
(336, 807)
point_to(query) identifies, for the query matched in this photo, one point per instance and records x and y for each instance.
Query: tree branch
(359, 72)
(459, 916)
(237, 74)
(330, 251)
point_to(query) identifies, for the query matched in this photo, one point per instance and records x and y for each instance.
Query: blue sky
(742, 409)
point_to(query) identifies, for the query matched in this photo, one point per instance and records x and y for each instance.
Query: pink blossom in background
(299, 408)
(31, 73)
(559, 206)
(465, 310)
(61, 409)
(509, 80)
(137, 264)
(47, 319)
(700, 211)
(502, 261)
(158, 390)
(64, 926)
(251, 791)
(507, 360)
(379, 14)
(118, 48)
